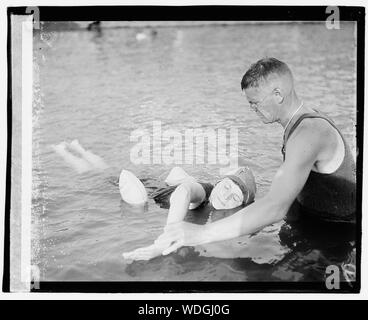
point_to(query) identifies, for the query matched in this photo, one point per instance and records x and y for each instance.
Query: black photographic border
(193, 13)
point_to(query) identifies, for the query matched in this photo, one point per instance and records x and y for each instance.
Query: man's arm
(302, 152)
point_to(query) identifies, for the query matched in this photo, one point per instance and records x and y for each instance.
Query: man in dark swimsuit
(318, 169)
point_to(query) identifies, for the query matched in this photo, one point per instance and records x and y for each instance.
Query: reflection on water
(101, 85)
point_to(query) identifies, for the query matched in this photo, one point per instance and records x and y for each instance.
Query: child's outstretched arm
(185, 194)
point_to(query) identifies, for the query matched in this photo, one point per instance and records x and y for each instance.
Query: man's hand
(175, 235)
(180, 234)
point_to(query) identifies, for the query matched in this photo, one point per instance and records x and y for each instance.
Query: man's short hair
(261, 70)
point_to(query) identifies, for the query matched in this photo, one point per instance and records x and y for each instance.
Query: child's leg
(80, 165)
(93, 159)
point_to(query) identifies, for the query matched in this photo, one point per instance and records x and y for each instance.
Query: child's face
(226, 195)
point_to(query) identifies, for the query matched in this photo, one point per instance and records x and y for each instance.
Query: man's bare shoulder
(313, 136)
(314, 129)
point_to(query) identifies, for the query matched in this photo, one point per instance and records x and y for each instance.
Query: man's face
(261, 101)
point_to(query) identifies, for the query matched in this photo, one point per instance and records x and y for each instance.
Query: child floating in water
(234, 190)
(183, 193)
